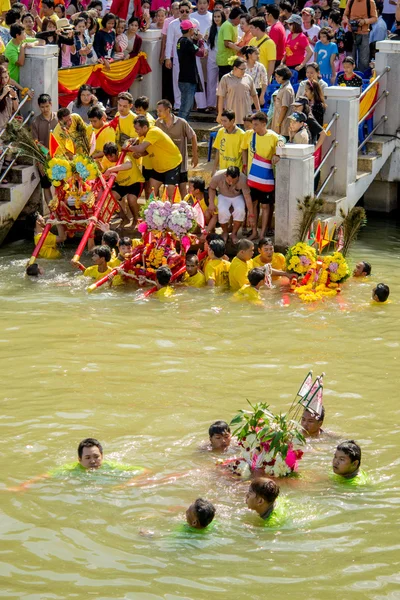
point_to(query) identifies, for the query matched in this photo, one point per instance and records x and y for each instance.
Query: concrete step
(20, 174)
(332, 205)
(366, 162)
(362, 174)
(15, 196)
(203, 117)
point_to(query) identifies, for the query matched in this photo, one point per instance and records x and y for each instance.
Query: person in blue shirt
(378, 32)
(326, 52)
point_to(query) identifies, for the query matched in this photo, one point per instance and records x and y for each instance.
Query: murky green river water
(147, 380)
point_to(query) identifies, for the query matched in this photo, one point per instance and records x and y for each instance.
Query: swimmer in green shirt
(262, 497)
(346, 464)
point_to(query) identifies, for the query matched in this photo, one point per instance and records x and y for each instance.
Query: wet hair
(336, 17)
(256, 275)
(218, 247)
(205, 511)
(33, 270)
(89, 443)
(110, 148)
(218, 427)
(229, 114)
(142, 102)
(258, 22)
(102, 252)
(265, 242)
(193, 258)
(110, 239)
(260, 116)
(351, 449)
(43, 98)
(108, 17)
(141, 121)
(265, 488)
(233, 172)
(16, 29)
(125, 241)
(284, 72)
(163, 275)
(63, 112)
(367, 267)
(235, 13)
(198, 183)
(95, 112)
(382, 292)
(165, 103)
(273, 10)
(245, 244)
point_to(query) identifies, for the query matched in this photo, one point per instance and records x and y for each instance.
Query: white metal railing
(374, 82)
(332, 148)
(323, 186)
(369, 136)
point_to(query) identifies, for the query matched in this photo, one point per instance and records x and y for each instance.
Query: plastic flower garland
(269, 442)
(85, 167)
(300, 258)
(58, 170)
(337, 267)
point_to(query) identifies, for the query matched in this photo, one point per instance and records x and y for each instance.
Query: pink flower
(333, 267)
(291, 460)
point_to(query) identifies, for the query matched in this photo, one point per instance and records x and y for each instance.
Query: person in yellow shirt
(241, 265)
(250, 291)
(129, 180)
(66, 131)
(123, 121)
(163, 277)
(49, 249)
(193, 276)
(265, 45)
(101, 129)
(217, 269)
(141, 108)
(228, 143)
(197, 189)
(267, 256)
(166, 157)
(101, 255)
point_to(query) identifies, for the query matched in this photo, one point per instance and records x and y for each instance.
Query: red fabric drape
(99, 79)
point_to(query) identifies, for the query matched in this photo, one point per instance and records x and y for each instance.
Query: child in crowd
(200, 514)
(248, 122)
(111, 239)
(262, 497)
(241, 265)
(250, 291)
(197, 189)
(217, 268)
(380, 293)
(49, 249)
(326, 53)
(101, 255)
(141, 108)
(362, 269)
(312, 422)
(346, 463)
(220, 436)
(193, 276)
(349, 78)
(124, 250)
(163, 277)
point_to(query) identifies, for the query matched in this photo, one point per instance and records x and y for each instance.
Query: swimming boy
(163, 277)
(241, 265)
(312, 422)
(250, 291)
(262, 497)
(362, 269)
(193, 276)
(34, 270)
(217, 269)
(380, 293)
(220, 436)
(346, 463)
(200, 514)
(111, 238)
(101, 255)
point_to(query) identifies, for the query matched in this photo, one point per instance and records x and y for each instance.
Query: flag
(92, 143)
(177, 195)
(318, 236)
(69, 145)
(325, 238)
(152, 197)
(306, 385)
(114, 123)
(164, 196)
(310, 238)
(53, 145)
(340, 240)
(199, 215)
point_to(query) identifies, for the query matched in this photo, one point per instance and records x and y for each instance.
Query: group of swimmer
(244, 276)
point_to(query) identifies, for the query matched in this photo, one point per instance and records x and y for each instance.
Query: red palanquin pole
(126, 265)
(40, 243)
(97, 212)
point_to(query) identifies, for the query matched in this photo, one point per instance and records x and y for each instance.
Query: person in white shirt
(171, 56)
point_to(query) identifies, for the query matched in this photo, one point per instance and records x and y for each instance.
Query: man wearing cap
(310, 29)
(298, 130)
(189, 79)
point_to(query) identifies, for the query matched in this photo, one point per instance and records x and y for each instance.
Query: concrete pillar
(151, 84)
(294, 180)
(381, 196)
(345, 102)
(388, 56)
(40, 73)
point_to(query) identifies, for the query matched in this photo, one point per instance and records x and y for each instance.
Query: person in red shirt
(277, 31)
(297, 48)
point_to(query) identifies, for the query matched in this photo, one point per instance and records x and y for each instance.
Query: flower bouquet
(156, 215)
(58, 170)
(337, 267)
(181, 219)
(268, 441)
(300, 258)
(85, 167)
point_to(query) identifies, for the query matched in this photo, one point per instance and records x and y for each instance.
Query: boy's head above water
(220, 436)
(262, 494)
(200, 513)
(380, 293)
(312, 422)
(192, 264)
(90, 453)
(34, 270)
(216, 248)
(347, 459)
(245, 249)
(163, 276)
(266, 249)
(362, 269)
